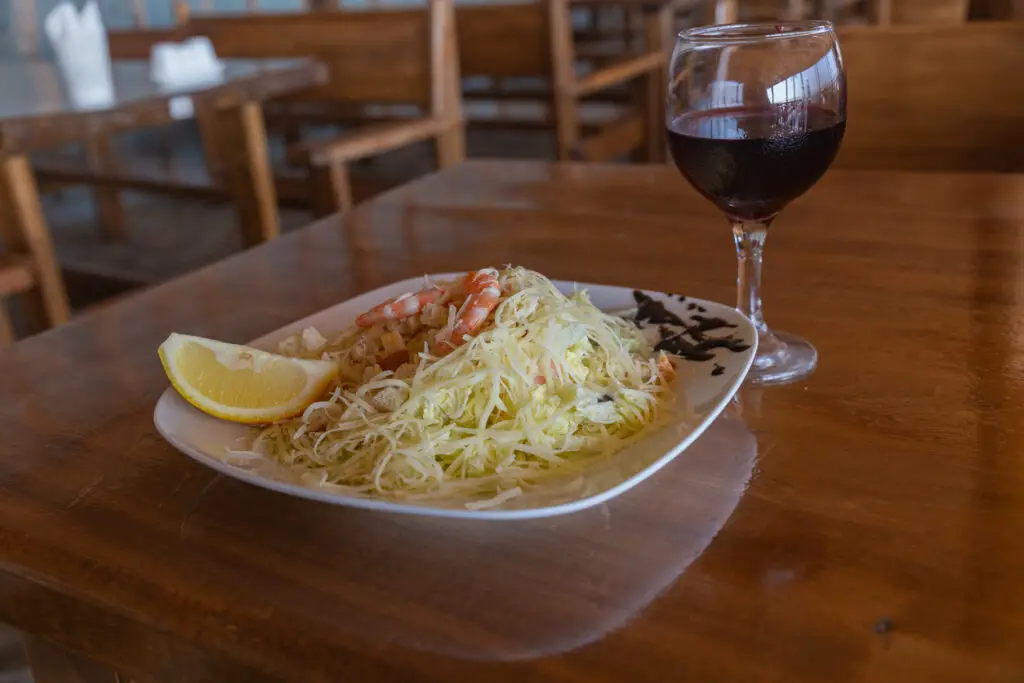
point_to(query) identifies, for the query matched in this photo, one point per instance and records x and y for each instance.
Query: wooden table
(36, 112)
(862, 526)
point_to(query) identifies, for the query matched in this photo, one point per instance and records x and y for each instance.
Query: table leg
(211, 148)
(246, 164)
(24, 230)
(109, 210)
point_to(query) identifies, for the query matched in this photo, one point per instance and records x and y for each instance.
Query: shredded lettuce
(549, 385)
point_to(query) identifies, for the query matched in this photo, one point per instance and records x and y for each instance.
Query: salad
(473, 389)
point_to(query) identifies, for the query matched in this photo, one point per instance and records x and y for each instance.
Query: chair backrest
(505, 41)
(138, 43)
(921, 11)
(770, 10)
(382, 55)
(935, 97)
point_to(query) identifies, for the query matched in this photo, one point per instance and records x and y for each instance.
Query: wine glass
(756, 113)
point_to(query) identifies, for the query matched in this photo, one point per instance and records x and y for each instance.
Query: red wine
(751, 162)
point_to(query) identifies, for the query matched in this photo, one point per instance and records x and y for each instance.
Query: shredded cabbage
(547, 386)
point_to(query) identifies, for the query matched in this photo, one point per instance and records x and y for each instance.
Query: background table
(36, 113)
(864, 525)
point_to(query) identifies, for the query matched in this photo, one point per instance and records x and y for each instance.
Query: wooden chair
(27, 263)
(406, 56)
(935, 98)
(887, 12)
(535, 41)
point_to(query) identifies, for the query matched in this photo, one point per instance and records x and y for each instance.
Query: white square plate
(709, 385)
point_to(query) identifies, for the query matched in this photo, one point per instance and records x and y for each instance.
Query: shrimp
(666, 370)
(484, 293)
(408, 304)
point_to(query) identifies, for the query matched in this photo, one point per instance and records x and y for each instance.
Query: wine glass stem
(749, 237)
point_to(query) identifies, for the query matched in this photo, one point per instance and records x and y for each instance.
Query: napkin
(174, 65)
(79, 42)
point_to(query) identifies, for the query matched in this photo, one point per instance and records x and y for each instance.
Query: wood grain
(375, 56)
(6, 330)
(877, 507)
(24, 232)
(330, 189)
(366, 141)
(381, 56)
(446, 85)
(535, 41)
(17, 274)
(245, 160)
(934, 97)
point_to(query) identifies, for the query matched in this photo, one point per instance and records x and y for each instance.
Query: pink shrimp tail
(484, 293)
(400, 307)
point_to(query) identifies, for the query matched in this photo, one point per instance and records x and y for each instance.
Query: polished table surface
(36, 107)
(864, 525)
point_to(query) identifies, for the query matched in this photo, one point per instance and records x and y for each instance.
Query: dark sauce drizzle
(691, 342)
(653, 311)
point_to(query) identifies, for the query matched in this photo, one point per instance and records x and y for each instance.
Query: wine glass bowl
(755, 115)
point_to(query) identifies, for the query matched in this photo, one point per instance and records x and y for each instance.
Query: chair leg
(451, 146)
(563, 103)
(24, 231)
(658, 31)
(207, 123)
(331, 189)
(246, 166)
(6, 331)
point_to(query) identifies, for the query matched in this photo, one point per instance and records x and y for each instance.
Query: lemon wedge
(242, 384)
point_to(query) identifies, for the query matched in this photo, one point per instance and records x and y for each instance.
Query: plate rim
(170, 395)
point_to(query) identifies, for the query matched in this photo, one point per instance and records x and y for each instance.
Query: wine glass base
(782, 358)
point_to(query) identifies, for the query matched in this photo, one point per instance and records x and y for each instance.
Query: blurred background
(170, 217)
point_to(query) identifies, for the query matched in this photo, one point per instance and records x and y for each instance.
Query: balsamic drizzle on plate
(691, 342)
